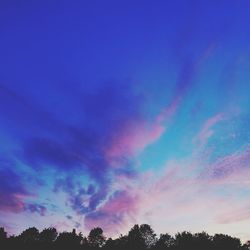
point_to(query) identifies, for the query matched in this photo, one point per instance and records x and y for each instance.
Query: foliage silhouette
(48, 235)
(165, 241)
(3, 234)
(140, 237)
(66, 240)
(96, 239)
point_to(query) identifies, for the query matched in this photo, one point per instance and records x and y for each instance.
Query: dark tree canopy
(96, 238)
(30, 235)
(165, 241)
(140, 237)
(3, 234)
(48, 235)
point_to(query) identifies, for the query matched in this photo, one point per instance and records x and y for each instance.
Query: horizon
(74, 231)
(139, 237)
(114, 114)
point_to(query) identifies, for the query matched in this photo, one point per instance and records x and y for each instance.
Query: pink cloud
(207, 129)
(184, 199)
(230, 168)
(115, 214)
(12, 204)
(235, 215)
(135, 136)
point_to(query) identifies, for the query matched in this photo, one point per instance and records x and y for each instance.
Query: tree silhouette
(148, 235)
(202, 241)
(69, 240)
(141, 237)
(3, 238)
(96, 239)
(110, 244)
(120, 243)
(138, 238)
(30, 235)
(165, 241)
(3, 234)
(48, 235)
(28, 239)
(135, 240)
(221, 241)
(246, 246)
(184, 240)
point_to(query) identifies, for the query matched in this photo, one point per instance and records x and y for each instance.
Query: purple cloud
(113, 215)
(36, 208)
(12, 191)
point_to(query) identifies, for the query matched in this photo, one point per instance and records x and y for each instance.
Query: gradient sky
(121, 112)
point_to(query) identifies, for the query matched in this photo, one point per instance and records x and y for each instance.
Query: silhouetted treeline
(138, 238)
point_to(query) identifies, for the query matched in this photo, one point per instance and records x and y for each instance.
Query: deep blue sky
(101, 98)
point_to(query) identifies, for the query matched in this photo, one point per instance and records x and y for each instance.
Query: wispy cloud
(207, 130)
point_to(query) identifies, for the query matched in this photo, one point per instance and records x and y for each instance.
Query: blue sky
(113, 113)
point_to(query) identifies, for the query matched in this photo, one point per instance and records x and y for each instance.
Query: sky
(121, 112)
